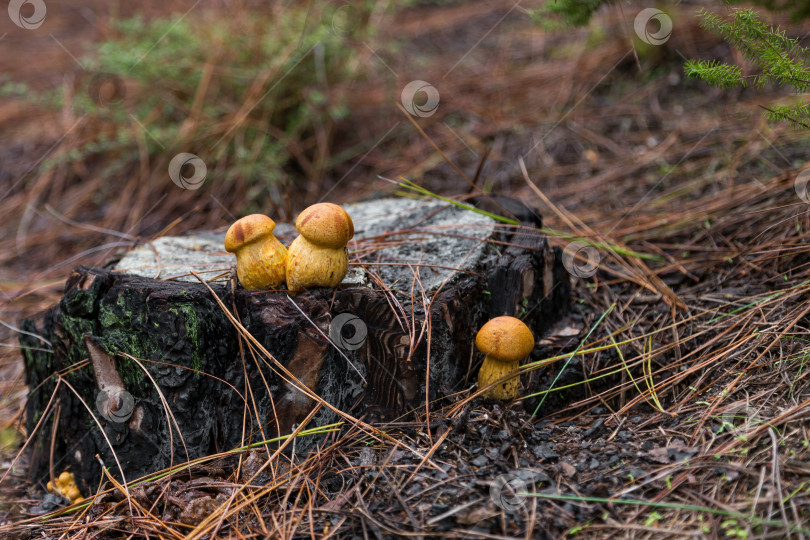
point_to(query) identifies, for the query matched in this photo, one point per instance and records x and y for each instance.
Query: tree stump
(125, 342)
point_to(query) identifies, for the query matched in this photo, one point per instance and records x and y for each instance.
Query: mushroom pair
(316, 258)
(505, 341)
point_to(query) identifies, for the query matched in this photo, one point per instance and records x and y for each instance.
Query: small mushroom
(505, 341)
(65, 485)
(260, 257)
(318, 256)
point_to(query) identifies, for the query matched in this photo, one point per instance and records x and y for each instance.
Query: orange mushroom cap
(248, 229)
(326, 225)
(505, 338)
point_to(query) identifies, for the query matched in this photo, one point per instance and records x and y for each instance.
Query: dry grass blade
(300, 386)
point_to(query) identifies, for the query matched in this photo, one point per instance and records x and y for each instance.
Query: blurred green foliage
(780, 60)
(557, 14)
(797, 9)
(248, 94)
(9, 439)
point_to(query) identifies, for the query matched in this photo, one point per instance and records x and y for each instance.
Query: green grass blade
(408, 184)
(581, 343)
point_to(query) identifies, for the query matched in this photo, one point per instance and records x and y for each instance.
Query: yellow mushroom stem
(260, 264)
(493, 369)
(310, 265)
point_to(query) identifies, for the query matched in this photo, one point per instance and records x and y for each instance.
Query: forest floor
(684, 402)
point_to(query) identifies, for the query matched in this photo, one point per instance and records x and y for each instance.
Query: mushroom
(318, 256)
(505, 341)
(260, 257)
(65, 485)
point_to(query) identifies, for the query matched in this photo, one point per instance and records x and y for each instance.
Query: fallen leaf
(567, 469)
(476, 514)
